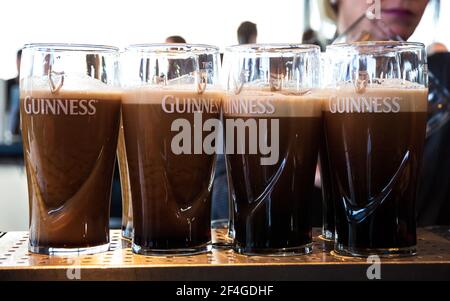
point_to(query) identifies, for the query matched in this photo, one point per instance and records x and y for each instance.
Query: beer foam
(389, 97)
(265, 103)
(156, 95)
(72, 88)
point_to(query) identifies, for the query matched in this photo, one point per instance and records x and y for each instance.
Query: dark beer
(272, 202)
(375, 145)
(127, 210)
(328, 211)
(170, 191)
(69, 141)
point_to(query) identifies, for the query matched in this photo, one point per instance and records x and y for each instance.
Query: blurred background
(199, 21)
(121, 23)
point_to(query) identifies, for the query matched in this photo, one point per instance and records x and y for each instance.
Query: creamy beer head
(260, 103)
(74, 103)
(176, 99)
(392, 96)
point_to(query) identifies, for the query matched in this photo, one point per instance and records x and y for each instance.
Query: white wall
(119, 22)
(428, 32)
(138, 21)
(14, 198)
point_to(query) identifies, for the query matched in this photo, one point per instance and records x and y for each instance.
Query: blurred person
(401, 18)
(93, 65)
(13, 128)
(172, 69)
(247, 33)
(175, 39)
(433, 205)
(436, 47)
(311, 36)
(176, 65)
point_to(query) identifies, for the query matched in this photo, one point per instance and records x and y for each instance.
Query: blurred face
(402, 16)
(436, 48)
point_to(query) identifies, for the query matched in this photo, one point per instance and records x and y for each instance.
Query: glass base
(327, 235)
(326, 244)
(341, 250)
(127, 234)
(294, 251)
(68, 251)
(227, 243)
(231, 233)
(171, 252)
(222, 240)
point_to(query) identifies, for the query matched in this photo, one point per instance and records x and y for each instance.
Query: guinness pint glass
(70, 113)
(171, 110)
(375, 120)
(272, 120)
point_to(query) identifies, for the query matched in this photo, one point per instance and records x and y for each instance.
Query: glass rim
(259, 48)
(172, 48)
(71, 47)
(401, 45)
